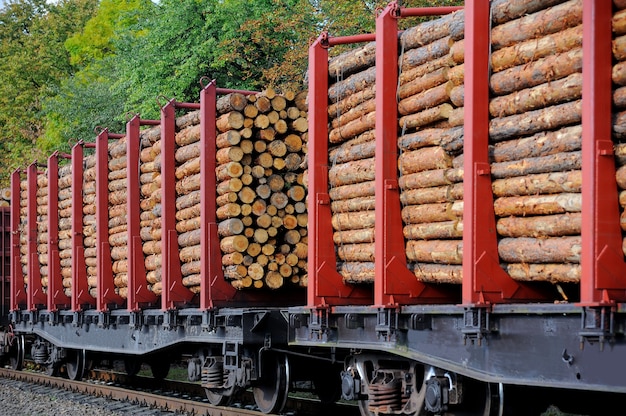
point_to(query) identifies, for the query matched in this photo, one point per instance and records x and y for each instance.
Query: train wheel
(217, 398)
(271, 394)
(16, 353)
(75, 364)
(160, 368)
(132, 366)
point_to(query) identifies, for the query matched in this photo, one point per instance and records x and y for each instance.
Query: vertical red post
(394, 282)
(80, 287)
(484, 281)
(106, 288)
(18, 294)
(34, 291)
(603, 279)
(56, 294)
(213, 286)
(326, 285)
(173, 290)
(138, 291)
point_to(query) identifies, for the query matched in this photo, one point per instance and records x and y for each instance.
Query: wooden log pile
(430, 148)
(118, 230)
(89, 221)
(351, 114)
(23, 228)
(42, 227)
(65, 226)
(619, 103)
(150, 216)
(261, 210)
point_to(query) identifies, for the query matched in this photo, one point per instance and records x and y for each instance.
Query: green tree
(33, 60)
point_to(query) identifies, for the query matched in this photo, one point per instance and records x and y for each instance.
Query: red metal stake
(394, 283)
(326, 285)
(35, 296)
(56, 295)
(173, 290)
(484, 281)
(213, 286)
(106, 289)
(18, 293)
(603, 279)
(80, 287)
(138, 291)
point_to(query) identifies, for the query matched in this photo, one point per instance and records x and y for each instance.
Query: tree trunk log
(540, 250)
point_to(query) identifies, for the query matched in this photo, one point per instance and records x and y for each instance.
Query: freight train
(445, 226)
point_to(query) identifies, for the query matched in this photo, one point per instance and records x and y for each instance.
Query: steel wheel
(75, 365)
(16, 353)
(132, 366)
(271, 394)
(217, 398)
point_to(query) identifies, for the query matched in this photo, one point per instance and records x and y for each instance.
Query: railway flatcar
(432, 226)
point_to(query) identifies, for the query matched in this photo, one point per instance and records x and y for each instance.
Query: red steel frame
(35, 296)
(57, 299)
(138, 291)
(17, 289)
(603, 280)
(325, 284)
(106, 295)
(80, 287)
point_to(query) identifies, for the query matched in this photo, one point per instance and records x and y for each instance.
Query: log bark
(567, 139)
(540, 96)
(532, 122)
(553, 163)
(543, 22)
(435, 251)
(553, 273)
(352, 172)
(426, 32)
(529, 51)
(545, 183)
(432, 195)
(418, 56)
(356, 252)
(428, 213)
(450, 140)
(434, 230)
(540, 226)
(430, 178)
(425, 99)
(352, 61)
(424, 159)
(544, 70)
(540, 250)
(437, 273)
(425, 117)
(538, 204)
(353, 220)
(357, 272)
(352, 191)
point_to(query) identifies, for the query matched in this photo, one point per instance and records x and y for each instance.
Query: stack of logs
(65, 226)
(261, 212)
(351, 159)
(23, 228)
(42, 227)
(89, 222)
(118, 230)
(619, 103)
(535, 144)
(150, 217)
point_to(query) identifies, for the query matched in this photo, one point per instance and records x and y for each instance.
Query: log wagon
(433, 224)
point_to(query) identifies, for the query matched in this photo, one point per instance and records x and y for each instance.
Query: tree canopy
(70, 66)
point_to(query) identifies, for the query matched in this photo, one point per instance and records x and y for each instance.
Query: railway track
(171, 397)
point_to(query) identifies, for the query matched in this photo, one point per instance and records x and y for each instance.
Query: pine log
(435, 251)
(352, 61)
(540, 250)
(503, 11)
(437, 273)
(532, 50)
(354, 113)
(554, 273)
(188, 135)
(230, 121)
(351, 85)
(544, 143)
(537, 72)
(424, 159)
(353, 220)
(558, 162)
(434, 230)
(538, 204)
(540, 226)
(356, 252)
(428, 213)
(418, 56)
(357, 272)
(425, 117)
(352, 172)
(349, 102)
(543, 22)
(450, 140)
(430, 178)
(532, 122)
(352, 191)
(540, 96)
(425, 99)
(352, 128)
(426, 32)
(545, 183)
